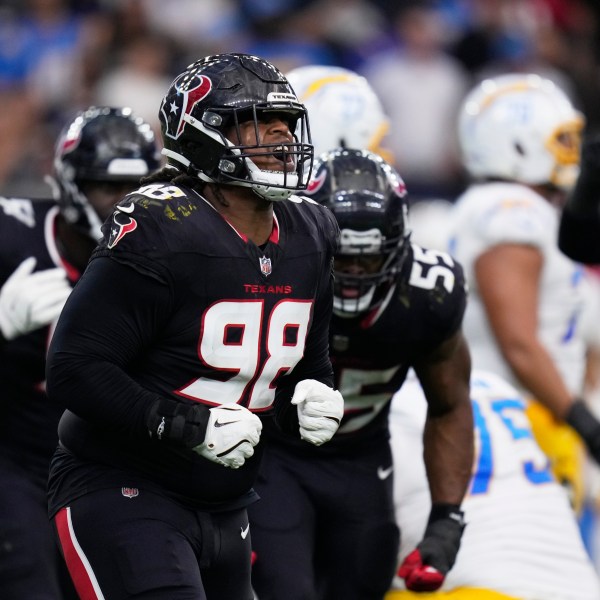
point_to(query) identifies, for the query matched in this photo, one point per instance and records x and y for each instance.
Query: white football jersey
(521, 538)
(494, 213)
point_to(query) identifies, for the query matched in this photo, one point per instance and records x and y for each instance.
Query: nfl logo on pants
(130, 492)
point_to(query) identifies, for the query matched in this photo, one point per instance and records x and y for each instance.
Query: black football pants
(31, 567)
(324, 528)
(126, 543)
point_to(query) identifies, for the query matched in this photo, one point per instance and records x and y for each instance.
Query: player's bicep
(112, 313)
(508, 278)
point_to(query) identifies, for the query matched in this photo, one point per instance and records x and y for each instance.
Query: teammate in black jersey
(203, 314)
(44, 246)
(325, 527)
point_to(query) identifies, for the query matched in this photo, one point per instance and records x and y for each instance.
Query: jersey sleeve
(94, 342)
(439, 290)
(515, 220)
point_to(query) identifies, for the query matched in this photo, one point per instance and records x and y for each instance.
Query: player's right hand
(425, 568)
(31, 300)
(231, 435)
(320, 410)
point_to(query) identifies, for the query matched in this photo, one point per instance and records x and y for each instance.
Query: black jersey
(371, 354)
(176, 303)
(28, 420)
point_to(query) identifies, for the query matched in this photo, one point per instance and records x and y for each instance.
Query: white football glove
(320, 410)
(31, 300)
(231, 435)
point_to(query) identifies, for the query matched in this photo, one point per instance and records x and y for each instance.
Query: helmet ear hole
(204, 156)
(519, 149)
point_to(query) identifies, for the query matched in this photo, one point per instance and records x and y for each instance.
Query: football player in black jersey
(44, 247)
(325, 527)
(203, 314)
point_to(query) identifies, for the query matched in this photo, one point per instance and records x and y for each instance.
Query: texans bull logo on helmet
(175, 107)
(315, 184)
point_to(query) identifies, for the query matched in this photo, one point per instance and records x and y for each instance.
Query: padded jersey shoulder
(433, 290)
(306, 214)
(496, 213)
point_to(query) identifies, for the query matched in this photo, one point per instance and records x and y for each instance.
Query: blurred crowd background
(59, 56)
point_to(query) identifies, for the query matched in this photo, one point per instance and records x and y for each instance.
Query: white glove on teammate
(31, 300)
(231, 435)
(320, 410)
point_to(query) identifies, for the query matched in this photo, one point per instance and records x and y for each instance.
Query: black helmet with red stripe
(200, 117)
(368, 198)
(101, 146)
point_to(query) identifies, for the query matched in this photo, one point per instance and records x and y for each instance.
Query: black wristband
(179, 423)
(443, 510)
(443, 534)
(581, 419)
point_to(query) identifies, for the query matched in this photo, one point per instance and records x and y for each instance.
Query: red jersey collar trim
(274, 237)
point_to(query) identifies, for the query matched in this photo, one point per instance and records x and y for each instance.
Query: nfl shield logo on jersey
(265, 265)
(130, 492)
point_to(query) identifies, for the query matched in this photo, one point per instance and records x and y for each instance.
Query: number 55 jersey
(371, 354)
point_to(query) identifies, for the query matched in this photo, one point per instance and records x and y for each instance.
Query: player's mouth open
(281, 153)
(350, 293)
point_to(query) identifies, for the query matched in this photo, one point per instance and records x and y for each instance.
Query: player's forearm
(539, 376)
(448, 453)
(100, 393)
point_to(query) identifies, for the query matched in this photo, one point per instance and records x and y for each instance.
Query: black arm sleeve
(95, 341)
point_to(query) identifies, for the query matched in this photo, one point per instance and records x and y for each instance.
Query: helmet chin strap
(94, 229)
(70, 212)
(264, 191)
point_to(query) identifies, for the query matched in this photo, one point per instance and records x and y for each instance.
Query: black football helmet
(214, 95)
(368, 198)
(101, 146)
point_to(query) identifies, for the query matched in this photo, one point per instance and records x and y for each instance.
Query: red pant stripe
(79, 567)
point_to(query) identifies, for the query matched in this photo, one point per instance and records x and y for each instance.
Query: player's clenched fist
(224, 434)
(231, 435)
(425, 568)
(320, 410)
